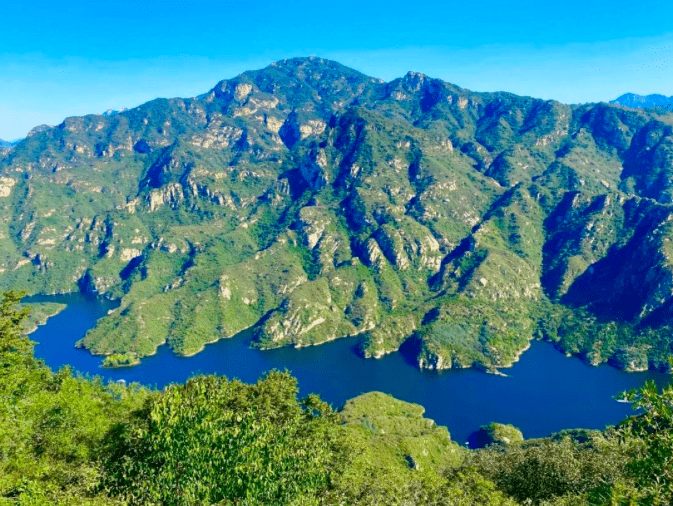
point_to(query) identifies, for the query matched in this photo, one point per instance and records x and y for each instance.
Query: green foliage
(51, 424)
(498, 434)
(544, 470)
(67, 440)
(39, 314)
(393, 432)
(365, 485)
(651, 462)
(213, 441)
(121, 360)
(13, 345)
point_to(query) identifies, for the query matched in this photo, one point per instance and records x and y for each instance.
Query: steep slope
(312, 202)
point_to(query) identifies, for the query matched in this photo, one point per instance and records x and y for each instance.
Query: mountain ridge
(643, 101)
(310, 202)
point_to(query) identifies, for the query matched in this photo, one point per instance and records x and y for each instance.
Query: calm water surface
(543, 392)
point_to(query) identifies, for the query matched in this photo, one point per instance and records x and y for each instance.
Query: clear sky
(68, 58)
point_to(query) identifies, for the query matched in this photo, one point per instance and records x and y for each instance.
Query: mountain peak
(112, 112)
(313, 69)
(299, 61)
(304, 62)
(415, 75)
(38, 129)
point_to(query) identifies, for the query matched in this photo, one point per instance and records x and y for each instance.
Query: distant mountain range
(8, 144)
(309, 202)
(644, 101)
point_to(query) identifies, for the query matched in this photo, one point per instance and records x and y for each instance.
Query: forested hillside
(310, 202)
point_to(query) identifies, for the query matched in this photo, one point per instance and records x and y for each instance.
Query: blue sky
(68, 58)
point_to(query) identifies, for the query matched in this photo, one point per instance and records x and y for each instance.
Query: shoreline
(517, 357)
(203, 347)
(495, 370)
(44, 317)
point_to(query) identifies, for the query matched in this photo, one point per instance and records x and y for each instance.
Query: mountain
(308, 201)
(642, 101)
(5, 146)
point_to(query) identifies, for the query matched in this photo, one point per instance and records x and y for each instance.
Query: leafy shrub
(214, 440)
(544, 470)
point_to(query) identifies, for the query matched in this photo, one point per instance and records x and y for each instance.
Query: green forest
(66, 439)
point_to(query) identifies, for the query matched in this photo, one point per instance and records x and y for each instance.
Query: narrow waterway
(542, 393)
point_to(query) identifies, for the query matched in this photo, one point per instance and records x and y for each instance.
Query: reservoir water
(544, 392)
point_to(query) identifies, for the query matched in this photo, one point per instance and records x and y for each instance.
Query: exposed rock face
(312, 170)
(6, 185)
(312, 202)
(435, 361)
(170, 195)
(217, 135)
(387, 336)
(242, 90)
(313, 222)
(373, 254)
(391, 244)
(95, 285)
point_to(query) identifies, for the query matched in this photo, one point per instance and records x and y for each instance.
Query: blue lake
(544, 392)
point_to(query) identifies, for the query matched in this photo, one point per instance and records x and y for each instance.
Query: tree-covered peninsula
(70, 440)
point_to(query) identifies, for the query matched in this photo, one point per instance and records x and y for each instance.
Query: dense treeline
(70, 440)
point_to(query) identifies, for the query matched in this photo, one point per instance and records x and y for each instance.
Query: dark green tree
(16, 351)
(51, 424)
(214, 441)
